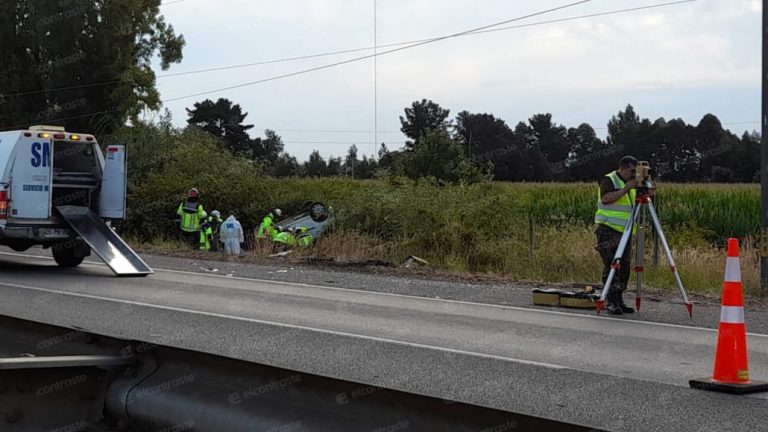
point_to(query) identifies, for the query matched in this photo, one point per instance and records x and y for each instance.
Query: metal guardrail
(159, 388)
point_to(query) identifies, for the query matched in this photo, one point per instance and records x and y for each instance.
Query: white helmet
(278, 212)
(216, 214)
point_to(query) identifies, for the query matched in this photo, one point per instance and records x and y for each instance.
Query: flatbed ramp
(104, 242)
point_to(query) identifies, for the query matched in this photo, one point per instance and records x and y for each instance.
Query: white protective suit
(231, 235)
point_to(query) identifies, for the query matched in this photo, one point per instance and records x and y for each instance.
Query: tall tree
(421, 118)
(713, 144)
(481, 133)
(351, 162)
(383, 150)
(624, 135)
(315, 166)
(335, 167)
(676, 157)
(366, 169)
(536, 166)
(489, 139)
(270, 148)
(552, 141)
(437, 155)
(285, 166)
(586, 153)
(84, 64)
(224, 120)
(745, 160)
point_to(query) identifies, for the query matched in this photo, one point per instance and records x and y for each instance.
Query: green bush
(477, 227)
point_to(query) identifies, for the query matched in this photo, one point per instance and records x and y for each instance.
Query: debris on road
(414, 259)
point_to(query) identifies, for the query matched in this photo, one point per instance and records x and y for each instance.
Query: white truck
(58, 190)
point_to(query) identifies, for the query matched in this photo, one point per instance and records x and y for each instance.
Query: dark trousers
(192, 239)
(608, 241)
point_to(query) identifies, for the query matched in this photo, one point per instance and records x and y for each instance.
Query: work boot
(614, 304)
(624, 308)
(614, 308)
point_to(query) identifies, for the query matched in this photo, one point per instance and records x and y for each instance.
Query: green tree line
(473, 147)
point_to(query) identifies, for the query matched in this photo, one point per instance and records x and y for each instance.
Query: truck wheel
(65, 256)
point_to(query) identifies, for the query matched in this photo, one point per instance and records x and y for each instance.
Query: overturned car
(303, 228)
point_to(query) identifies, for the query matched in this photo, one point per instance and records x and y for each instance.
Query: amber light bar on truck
(61, 136)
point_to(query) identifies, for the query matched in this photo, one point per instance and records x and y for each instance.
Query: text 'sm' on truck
(59, 190)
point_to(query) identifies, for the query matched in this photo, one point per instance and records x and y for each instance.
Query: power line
(354, 50)
(483, 29)
(357, 59)
(339, 142)
(375, 46)
(375, 81)
(330, 130)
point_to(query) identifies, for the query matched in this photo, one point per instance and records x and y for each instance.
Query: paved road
(554, 359)
(664, 308)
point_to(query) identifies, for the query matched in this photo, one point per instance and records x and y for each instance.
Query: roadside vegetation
(479, 228)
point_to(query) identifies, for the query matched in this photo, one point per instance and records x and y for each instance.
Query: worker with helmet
(192, 213)
(303, 237)
(284, 237)
(213, 222)
(267, 227)
(204, 241)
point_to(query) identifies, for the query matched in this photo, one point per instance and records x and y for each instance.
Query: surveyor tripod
(643, 205)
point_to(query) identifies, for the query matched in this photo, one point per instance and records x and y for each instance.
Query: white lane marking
(406, 296)
(277, 324)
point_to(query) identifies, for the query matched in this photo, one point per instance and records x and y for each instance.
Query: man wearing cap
(615, 201)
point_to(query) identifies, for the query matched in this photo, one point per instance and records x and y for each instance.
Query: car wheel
(318, 212)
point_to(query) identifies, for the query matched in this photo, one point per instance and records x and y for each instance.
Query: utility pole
(764, 162)
(375, 82)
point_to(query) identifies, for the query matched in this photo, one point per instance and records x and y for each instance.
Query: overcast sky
(679, 61)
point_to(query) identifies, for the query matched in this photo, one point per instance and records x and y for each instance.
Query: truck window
(75, 173)
(74, 158)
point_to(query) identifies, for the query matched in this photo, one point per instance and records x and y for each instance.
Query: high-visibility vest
(191, 212)
(616, 215)
(285, 238)
(267, 227)
(304, 238)
(212, 227)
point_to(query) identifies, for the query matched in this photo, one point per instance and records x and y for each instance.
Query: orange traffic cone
(731, 371)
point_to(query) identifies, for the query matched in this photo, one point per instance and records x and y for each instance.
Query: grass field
(482, 228)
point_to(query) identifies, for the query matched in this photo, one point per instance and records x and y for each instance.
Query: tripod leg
(640, 260)
(672, 265)
(616, 263)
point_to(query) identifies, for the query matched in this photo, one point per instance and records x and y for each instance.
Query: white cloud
(709, 47)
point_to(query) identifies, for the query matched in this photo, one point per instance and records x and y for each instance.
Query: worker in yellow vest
(191, 213)
(615, 201)
(268, 229)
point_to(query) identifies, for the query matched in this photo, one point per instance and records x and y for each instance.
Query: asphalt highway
(600, 372)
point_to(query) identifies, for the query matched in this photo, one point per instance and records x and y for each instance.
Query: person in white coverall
(231, 235)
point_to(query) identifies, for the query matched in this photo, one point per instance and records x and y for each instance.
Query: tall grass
(481, 228)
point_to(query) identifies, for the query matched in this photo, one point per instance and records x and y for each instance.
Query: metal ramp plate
(104, 242)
